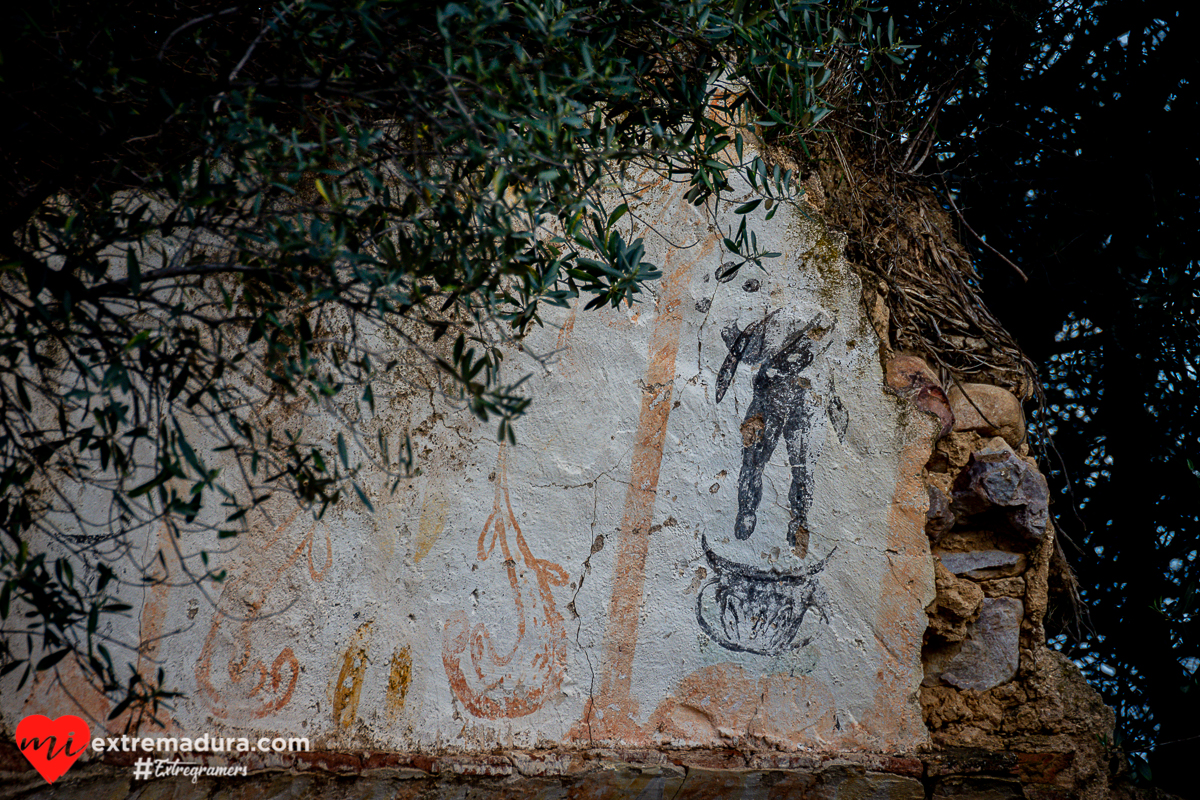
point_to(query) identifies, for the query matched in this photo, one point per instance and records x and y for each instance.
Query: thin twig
(189, 24)
(982, 241)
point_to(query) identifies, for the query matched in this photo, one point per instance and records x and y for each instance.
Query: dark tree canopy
(1062, 129)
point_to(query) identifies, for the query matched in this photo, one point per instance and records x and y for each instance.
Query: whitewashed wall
(599, 582)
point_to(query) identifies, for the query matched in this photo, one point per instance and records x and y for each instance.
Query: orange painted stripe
(633, 544)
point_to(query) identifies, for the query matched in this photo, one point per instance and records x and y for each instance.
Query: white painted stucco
(402, 629)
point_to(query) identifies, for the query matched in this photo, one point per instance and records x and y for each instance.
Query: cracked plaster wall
(641, 569)
(723, 531)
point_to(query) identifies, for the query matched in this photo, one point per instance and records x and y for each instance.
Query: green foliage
(226, 227)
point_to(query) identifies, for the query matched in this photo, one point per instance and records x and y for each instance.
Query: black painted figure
(778, 409)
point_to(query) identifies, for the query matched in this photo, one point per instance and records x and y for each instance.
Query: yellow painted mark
(399, 679)
(350, 680)
(433, 521)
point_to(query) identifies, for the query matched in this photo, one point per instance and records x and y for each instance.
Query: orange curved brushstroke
(518, 682)
(254, 687)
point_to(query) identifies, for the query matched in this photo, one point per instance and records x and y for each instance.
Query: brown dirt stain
(752, 430)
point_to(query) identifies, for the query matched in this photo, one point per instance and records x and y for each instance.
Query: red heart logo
(50, 744)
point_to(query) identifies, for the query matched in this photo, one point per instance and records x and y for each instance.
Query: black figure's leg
(796, 436)
(766, 411)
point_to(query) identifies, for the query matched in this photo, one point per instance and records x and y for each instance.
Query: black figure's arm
(750, 339)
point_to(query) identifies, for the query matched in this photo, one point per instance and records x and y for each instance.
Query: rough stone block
(960, 598)
(989, 410)
(1043, 767)
(990, 654)
(912, 377)
(983, 564)
(999, 483)
(939, 518)
(962, 761)
(1004, 587)
(978, 789)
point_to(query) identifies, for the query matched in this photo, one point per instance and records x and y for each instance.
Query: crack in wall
(586, 567)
